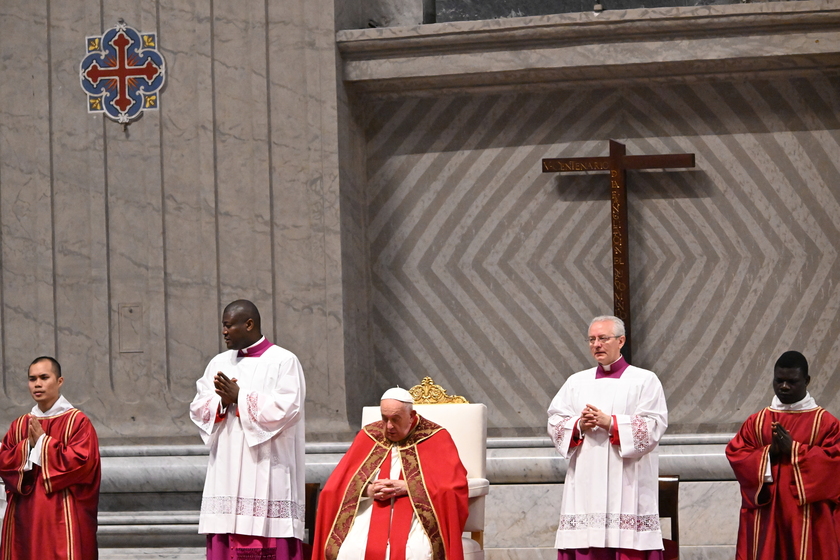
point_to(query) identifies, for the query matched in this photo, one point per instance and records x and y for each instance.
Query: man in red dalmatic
(399, 493)
(49, 462)
(787, 459)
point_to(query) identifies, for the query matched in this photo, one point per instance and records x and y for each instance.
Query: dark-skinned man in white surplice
(249, 410)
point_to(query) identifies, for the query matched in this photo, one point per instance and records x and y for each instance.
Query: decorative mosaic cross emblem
(122, 73)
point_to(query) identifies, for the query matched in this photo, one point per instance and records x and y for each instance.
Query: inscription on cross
(617, 163)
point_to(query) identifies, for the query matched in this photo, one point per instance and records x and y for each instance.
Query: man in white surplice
(607, 421)
(249, 410)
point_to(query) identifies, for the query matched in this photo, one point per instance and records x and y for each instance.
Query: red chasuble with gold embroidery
(795, 517)
(51, 511)
(437, 489)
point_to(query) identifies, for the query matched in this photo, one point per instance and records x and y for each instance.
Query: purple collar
(255, 350)
(616, 369)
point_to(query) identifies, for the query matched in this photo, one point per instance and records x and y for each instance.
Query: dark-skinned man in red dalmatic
(786, 459)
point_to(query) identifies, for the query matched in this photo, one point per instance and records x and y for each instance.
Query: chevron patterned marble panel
(485, 271)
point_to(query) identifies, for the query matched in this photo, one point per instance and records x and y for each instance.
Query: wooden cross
(617, 163)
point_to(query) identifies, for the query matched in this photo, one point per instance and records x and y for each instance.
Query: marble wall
(120, 247)
(400, 13)
(465, 10)
(388, 214)
(485, 271)
(444, 251)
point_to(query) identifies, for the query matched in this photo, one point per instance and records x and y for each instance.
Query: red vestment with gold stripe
(52, 508)
(436, 480)
(795, 517)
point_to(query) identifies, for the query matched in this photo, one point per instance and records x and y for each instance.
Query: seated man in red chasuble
(399, 493)
(786, 458)
(49, 462)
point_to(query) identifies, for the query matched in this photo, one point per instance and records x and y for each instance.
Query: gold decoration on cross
(95, 103)
(148, 41)
(93, 44)
(430, 393)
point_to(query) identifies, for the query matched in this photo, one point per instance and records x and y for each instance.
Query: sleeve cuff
(614, 439)
(768, 473)
(35, 454)
(577, 436)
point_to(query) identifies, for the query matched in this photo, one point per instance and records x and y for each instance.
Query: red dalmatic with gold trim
(795, 517)
(437, 489)
(51, 511)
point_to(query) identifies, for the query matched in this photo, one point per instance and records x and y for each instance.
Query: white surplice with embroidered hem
(256, 472)
(610, 496)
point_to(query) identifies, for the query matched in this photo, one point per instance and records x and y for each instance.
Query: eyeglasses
(601, 339)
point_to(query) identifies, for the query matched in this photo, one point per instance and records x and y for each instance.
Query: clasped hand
(226, 388)
(35, 430)
(782, 442)
(592, 418)
(387, 488)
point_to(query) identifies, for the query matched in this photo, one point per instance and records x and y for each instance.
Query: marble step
(160, 553)
(198, 553)
(156, 529)
(109, 519)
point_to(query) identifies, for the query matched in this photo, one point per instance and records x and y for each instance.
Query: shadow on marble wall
(485, 271)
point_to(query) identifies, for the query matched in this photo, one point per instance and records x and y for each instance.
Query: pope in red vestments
(787, 459)
(49, 462)
(405, 474)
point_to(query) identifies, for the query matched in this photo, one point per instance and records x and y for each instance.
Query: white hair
(618, 324)
(407, 406)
